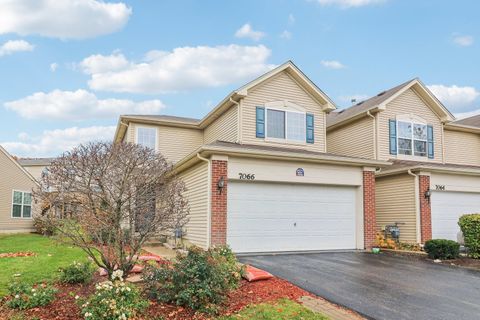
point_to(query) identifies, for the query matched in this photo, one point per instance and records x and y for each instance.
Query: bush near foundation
(470, 226)
(442, 249)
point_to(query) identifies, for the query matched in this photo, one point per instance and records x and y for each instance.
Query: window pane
(17, 197)
(27, 211)
(404, 146)
(17, 211)
(275, 124)
(296, 126)
(147, 137)
(420, 131)
(27, 198)
(420, 148)
(404, 129)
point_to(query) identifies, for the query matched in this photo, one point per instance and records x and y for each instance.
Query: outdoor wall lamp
(221, 184)
(427, 195)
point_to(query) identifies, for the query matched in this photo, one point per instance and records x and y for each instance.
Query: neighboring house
(16, 205)
(435, 172)
(257, 172)
(35, 166)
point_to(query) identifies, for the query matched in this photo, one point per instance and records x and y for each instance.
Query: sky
(69, 68)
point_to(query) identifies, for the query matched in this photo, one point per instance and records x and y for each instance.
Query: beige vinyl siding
(173, 143)
(196, 182)
(462, 148)
(409, 103)
(35, 171)
(355, 139)
(278, 88)
(224, 128)
(395, 202)
(12, 178)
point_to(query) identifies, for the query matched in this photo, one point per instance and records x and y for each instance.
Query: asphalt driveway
(381, 286)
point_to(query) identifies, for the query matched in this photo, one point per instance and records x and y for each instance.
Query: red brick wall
(369, 215)
(218, 232)
(425, 209)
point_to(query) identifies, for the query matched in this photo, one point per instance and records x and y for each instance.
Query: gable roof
(470, 124)
(9, 157)
(35, 161)
(378, 103)
(473, 121)
(231, 99)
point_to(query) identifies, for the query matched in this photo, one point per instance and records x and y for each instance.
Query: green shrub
(470, 225)
(442, 249)
(44, 226)
(77, 272)
(199, 280)
(113, 300)
(25, 296)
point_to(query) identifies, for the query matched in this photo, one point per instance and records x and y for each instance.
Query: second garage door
(269, 217)
(447, 207)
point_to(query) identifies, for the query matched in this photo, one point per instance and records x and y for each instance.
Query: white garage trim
(272, 217)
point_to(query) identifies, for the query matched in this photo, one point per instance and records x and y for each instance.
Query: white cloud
(246, 31)
(291, 19)
(286, 35)
(463, 40)
(463, 115)
(62, 19)
(332, 64)
(99, 64)
(78, 105)
(53, 67)
(346, 4)
(455, 97)
(182, 69)
(13, 46)
(55, 142)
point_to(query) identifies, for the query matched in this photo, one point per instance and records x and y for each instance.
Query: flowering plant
(77, 272)
(113, 300)
(25, 296)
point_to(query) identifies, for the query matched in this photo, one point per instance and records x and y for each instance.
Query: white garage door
(447, 207)
(268, 217)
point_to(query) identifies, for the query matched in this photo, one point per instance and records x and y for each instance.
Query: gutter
(417, 206)
(209, 192)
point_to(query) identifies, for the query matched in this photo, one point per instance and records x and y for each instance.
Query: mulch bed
(17, 254)
(65, 307)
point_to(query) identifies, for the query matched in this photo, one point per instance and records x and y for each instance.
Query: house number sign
(246, 176)
(440, 187)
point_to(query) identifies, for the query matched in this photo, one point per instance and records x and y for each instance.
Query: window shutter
(393, 136)
(430, 146)
(310, 128)
(260, 122)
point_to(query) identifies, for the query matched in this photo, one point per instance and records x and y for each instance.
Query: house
(35, 166)
(435, 173)
(258, 174)
(16, 205)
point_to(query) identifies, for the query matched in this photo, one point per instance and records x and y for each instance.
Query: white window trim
(147, 127)
(21, 213)
(412, 119)
(288, 107)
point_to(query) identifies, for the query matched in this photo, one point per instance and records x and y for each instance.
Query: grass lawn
(283, 309)
(44, 266)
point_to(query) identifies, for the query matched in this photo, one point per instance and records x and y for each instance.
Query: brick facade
(425, 208)
(369, 215)
(218, 234)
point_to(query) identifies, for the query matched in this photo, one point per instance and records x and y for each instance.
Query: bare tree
(123, 194)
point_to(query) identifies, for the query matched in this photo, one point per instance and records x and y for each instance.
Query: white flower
(34, 294)
(87, 314)
(77, 297)
(33, 290)
(17, 296)
(117, 274)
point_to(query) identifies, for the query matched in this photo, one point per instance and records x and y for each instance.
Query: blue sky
(69, 68)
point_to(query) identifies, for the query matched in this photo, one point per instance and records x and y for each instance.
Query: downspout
(238, 119)
(417, 206)
(374, 134)
(209, 192)
(443, 143)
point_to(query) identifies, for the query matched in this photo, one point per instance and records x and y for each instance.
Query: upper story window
(284, 122)
(147, 137)
(411, 136)
(21, 204)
